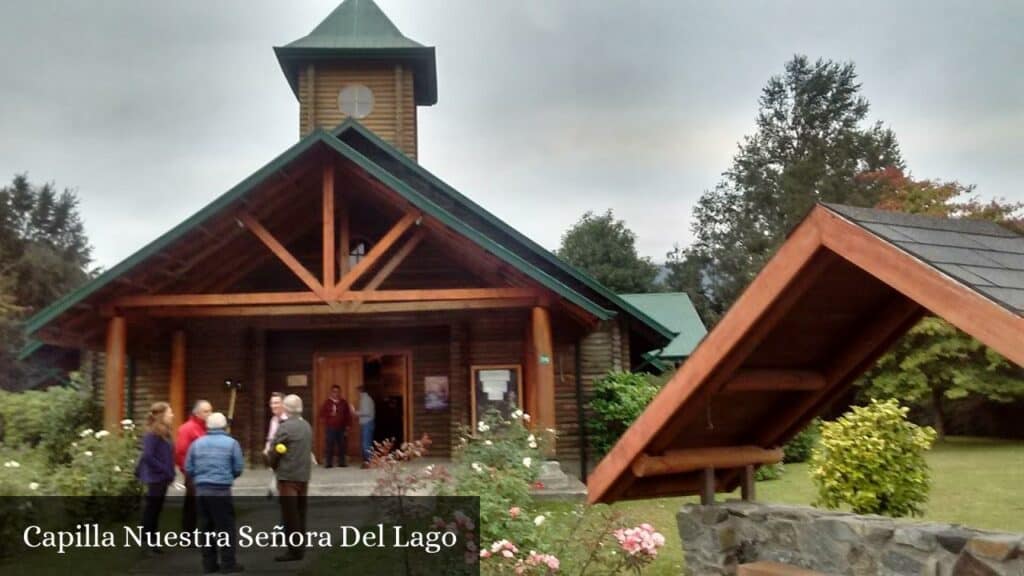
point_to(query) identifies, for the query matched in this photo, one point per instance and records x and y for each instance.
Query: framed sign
(435, 393)
(297, 381)
(498, 387)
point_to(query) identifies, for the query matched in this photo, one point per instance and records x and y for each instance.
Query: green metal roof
(676, 312)
(531, 246)
(43, 317)
(359, 30)
(355, 24)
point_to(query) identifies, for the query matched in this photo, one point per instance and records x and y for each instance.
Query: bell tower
(356, 63)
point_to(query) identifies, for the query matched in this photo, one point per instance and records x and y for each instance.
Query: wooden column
(328, 243)
(176, 392)
(707, 490)
(748, 491)
(543, 368)
(113, 386)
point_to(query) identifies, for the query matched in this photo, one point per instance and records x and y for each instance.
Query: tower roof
(359, 30)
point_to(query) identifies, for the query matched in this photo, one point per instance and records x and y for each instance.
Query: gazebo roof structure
(843, 287)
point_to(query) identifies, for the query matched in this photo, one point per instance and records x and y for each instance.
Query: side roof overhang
(519, 255)
(843, 287)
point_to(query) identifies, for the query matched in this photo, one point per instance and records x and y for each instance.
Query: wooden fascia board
(739, 323)
(943, 295)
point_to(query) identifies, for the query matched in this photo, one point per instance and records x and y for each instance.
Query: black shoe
(213, 570)
(343, 465)
(233, 569)
(270, 494)
(328, 466)
(287, 557)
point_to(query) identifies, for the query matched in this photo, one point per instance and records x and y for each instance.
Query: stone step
(773, 569)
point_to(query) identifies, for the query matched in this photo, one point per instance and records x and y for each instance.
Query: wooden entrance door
(347, 373)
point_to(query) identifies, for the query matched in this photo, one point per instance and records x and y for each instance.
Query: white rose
(482, 426)
(127, 422)
(33, 485)
(527, 461)
(86, 433)
(102, 434)
(526, 417)
(538, 520)
(87, 452)
(117, 468)
(533, 444)
(15, 464)
(531, 438)
(488, 443)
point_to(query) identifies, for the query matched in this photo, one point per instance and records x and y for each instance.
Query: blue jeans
(366, 439)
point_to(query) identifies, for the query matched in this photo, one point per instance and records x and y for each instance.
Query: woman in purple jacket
(156, 465)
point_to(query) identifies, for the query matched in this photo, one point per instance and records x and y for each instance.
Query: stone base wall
(716, 539)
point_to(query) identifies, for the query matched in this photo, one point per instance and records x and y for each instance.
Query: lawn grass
(976, 482)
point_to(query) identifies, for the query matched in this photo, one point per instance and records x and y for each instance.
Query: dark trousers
(188, 511)
(292, 497)
(336, 442)
(154, 504)
(217, 514)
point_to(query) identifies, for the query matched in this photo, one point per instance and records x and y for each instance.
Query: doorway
(387, 380)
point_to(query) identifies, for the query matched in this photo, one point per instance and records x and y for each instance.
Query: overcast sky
(546, 109)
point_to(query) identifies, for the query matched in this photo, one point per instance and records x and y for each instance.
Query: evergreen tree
(605, 248)
(810, 144)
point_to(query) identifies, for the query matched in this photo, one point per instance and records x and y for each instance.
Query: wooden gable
(843, 287)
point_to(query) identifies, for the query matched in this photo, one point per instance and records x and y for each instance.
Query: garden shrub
(499, 461)
(872, 459)
(800, 447)
(769, 472)
(101, 474)
(618, 400)
(46, 419)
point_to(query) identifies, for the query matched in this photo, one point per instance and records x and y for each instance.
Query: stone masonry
(716, 539)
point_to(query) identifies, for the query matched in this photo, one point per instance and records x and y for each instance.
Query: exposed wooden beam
(323, 309)
(436, 294)
(157, 300)
(328, 214)
(281, 252)
(680, 461)
(396, 260)
(377, 252)
(774, 381)
(344, 237)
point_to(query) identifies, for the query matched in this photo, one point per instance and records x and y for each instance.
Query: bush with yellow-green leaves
(872, 460)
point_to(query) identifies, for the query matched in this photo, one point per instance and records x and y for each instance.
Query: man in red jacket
(336, 417)
(188, 433)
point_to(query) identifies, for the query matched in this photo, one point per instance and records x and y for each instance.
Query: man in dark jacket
(291, 459)
(335, 417)
(213, 462)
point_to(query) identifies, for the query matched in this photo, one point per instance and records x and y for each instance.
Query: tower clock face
(355, 100)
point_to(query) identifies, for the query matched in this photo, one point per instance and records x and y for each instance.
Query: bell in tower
(357, 64)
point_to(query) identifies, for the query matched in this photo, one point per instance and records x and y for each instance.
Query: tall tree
(605, 248)
(935, 362)
(811, 142)
(44, 253)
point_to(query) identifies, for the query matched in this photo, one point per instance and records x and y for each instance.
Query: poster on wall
(496, 388)
(435, 395)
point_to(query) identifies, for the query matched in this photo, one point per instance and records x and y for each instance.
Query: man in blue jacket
(213, 462)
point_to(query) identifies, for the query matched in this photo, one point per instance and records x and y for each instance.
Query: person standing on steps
(213, 462)
(277, 415)
(367, 414)
(155, 468)
(335, 417)
(188, 433)
(292, 464)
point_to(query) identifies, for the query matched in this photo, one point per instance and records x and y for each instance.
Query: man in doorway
(367, 414)
(335, 417)
(188, 433)
(290, 459)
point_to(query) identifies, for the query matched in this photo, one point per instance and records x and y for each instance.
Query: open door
(347, 373)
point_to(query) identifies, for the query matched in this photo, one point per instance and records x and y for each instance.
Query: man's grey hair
(199, 405)
(216, 421)
(292, 404)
